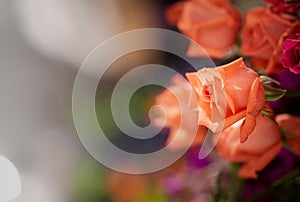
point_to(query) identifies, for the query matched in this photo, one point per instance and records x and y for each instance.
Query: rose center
(206, 92)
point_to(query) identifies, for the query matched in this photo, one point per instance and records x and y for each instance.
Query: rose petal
(256, 102)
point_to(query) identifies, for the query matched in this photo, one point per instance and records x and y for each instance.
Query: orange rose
(181, 120)
(291, 123)
(262, 38)
(227, 94)
(261, 147)
(213, 24)
(173, 12)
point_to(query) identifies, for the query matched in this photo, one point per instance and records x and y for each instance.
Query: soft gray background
(42, 45)
(37, 132)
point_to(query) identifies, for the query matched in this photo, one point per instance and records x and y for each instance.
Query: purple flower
(173, 184)
(291, 55)
(193, 160)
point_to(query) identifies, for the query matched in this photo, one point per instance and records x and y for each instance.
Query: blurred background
(43, 44)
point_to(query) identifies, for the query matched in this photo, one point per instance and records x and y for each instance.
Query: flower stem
(285, 179)
(290, 93)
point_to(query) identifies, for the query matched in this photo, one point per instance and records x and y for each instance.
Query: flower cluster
(250, 118)
(215, 25)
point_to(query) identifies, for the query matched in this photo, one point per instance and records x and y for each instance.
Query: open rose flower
(262, 37)
(291, 55)
(282, 7)
(226, 94)
(262, 146)
(180, 119)
(290, 124)
(212, 24)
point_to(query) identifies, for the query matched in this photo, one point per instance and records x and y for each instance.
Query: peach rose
(291, 123)
(173, 12)
(262, 38)
(213, 24)
(262, 146)
(181, 120)
(227, 94)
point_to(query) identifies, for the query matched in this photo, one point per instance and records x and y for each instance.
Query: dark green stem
(285, 179)
(290, 93)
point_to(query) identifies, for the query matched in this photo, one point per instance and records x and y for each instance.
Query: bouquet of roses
(246, 111)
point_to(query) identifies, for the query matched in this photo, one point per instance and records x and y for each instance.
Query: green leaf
(268, 80)
(273, 94)
(291, 93)
(266, 114)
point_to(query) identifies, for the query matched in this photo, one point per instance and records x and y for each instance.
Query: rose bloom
(212, 24)
(226, 94)
(173, 12)
(262, 37)
(180, 118)
(262, 146)
(291, 55)
(290, 123)
(282, 7)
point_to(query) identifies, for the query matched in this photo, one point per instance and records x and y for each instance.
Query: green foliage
(229, 185)
(284, 189)
(139, 105)
(154, 195)
(89, 183)
(271, 92)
